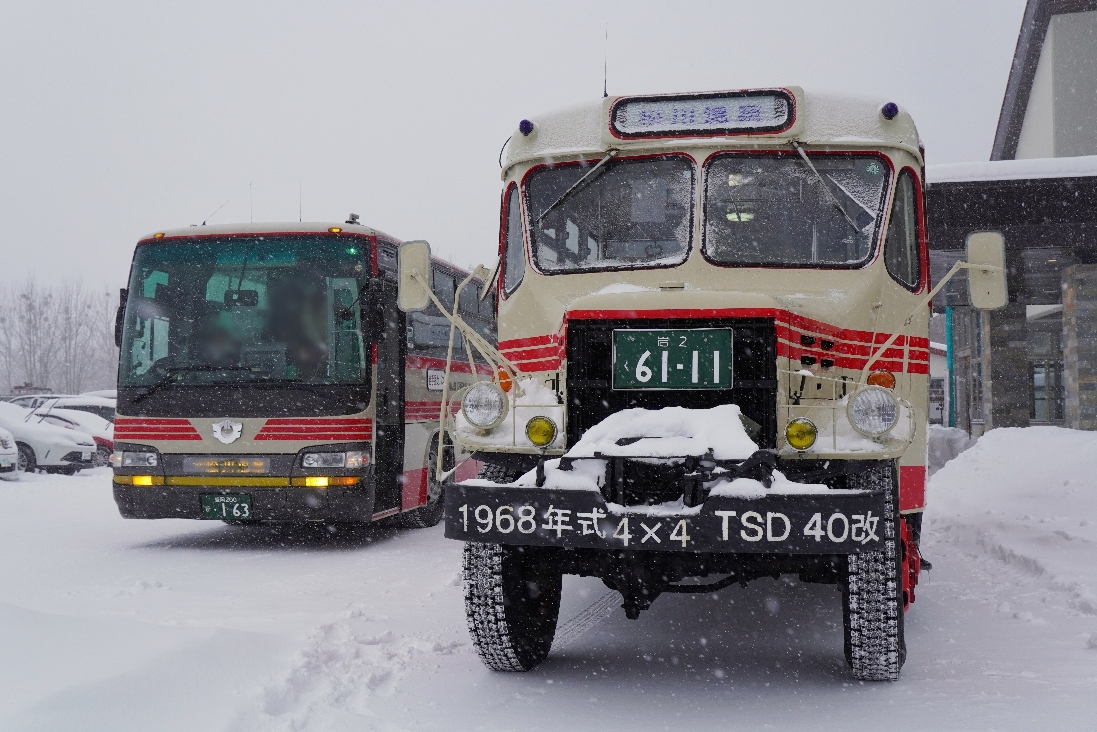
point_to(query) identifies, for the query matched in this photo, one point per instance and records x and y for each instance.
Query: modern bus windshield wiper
(579, 184)
(830, 193)
(172, 371)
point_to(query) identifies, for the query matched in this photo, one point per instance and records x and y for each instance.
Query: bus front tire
(434, 511)
(872, 607)
(512, 603)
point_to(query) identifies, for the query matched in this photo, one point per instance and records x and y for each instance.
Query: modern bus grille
(589, 373)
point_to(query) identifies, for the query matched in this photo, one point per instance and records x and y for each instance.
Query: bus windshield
(235, 310)
(778, 210)
(629, 213)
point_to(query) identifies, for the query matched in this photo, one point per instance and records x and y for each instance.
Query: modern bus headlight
(873, 411)
(541, 431)
(350, 460)
(134, 460)
(800, 433)
(484, 405)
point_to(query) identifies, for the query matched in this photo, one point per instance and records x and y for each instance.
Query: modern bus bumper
(273, 504)
(823, 523)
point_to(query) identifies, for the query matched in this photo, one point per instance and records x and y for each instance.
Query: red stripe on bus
(912, 487)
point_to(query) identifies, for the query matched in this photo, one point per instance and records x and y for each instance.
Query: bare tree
(35, 319)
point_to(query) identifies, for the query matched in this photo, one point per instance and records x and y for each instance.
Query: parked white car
(9, 456)
(46, 446)
(100, 406)
(99, 429)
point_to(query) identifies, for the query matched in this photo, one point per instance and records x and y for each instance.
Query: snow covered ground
(173, 625)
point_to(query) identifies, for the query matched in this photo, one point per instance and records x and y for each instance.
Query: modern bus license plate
(672, 359)
(226, 506)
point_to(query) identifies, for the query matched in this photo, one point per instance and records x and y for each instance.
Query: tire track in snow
(598, 611)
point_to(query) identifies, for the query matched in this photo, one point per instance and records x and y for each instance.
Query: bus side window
(468, 298)
(514, 250)
(444, 287)
(901, 253)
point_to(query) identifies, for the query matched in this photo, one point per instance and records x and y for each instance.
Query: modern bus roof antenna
(215, 211)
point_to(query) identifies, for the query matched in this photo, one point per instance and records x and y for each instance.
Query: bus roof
(835, 120)
(295, 227)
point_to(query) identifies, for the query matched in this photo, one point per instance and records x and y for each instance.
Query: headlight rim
(502, 398)
(863, 390)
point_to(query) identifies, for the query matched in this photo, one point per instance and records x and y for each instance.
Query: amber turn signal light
(882, 378)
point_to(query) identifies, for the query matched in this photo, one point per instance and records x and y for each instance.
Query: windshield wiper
(826, 188)
(579, 184)
(172, 371)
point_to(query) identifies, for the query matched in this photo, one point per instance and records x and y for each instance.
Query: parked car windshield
(777, 210)
(628, 213)
(237, 309)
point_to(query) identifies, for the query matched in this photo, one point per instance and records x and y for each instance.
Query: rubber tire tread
(872, 607)
(508, 641)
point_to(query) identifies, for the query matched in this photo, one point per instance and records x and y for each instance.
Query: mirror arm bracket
(928, 299)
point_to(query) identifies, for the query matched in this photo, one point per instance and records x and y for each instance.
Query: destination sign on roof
(708, 114)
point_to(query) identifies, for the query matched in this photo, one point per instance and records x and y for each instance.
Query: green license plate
(226, 506)
(672, 359)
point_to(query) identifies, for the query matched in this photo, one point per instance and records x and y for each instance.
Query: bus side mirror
(120, 316)
(414, 278)
(986, 272)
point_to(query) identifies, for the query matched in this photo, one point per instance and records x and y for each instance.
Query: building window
(1047, 391)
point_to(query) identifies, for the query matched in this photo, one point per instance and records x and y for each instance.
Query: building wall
(1061, 117)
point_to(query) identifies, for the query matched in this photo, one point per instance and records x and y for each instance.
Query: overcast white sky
(121, 118)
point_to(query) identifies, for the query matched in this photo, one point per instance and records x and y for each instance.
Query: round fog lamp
(541, 431)
(800, 433)
(873, 411)
(484, 405)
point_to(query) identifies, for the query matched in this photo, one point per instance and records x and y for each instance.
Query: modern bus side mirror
(986, 271)
(414, 278)
(119, 316)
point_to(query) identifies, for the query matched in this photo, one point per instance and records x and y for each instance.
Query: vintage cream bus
(266, 374)
(712, 362)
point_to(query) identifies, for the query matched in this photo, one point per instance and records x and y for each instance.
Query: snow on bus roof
(821, 119)
(1076, 167)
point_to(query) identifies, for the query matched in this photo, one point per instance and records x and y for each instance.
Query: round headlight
(800, 433)
(484, 405)
(873, 411)
(541, 431)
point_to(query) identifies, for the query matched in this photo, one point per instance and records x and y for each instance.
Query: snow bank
(945, 443)
(1029, 497)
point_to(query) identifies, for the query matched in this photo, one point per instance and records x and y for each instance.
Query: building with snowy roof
(1034, 361)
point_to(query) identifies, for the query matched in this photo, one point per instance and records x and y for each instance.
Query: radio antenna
(605, 66)
(300, 215)
(215, 212)
(251, 205)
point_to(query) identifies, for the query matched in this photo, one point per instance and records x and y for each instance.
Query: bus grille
(589, 372)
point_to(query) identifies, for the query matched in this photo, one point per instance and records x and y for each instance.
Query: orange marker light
(335, 230)
(504, 380)
(882, 378)
(158, 235)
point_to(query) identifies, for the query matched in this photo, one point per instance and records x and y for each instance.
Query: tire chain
(875, 641)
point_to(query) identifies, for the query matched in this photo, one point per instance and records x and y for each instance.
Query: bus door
(388, 466)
